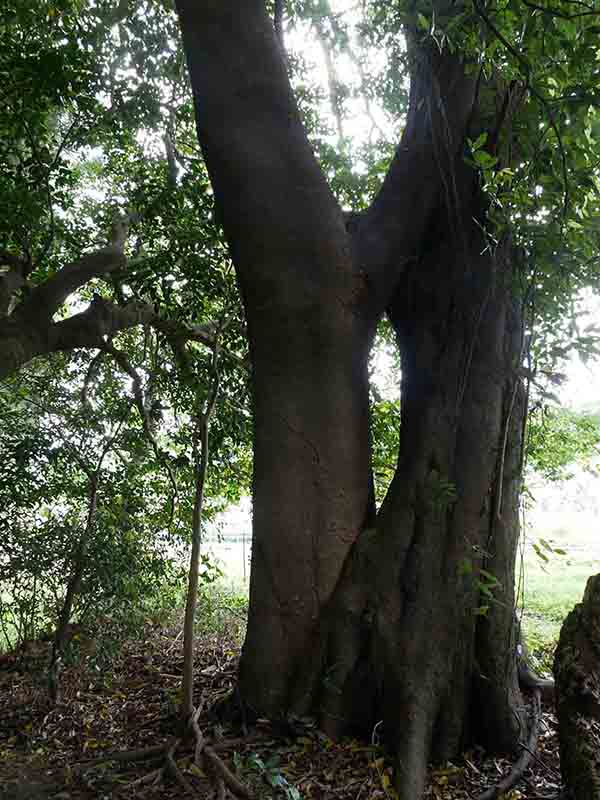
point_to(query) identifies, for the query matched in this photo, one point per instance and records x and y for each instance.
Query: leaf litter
(85, 746)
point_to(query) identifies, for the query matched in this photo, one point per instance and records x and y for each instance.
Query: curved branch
(271, 195)
(47, 298)
(50, 295)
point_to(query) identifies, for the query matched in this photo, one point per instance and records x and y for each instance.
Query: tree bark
(444, 627)
(361, 625)
(577, 687)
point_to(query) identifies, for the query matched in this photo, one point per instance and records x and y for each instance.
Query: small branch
(335, 25)
(91, 373)
(170, 151)
(333, 82)
(74, 583)
(73, 587)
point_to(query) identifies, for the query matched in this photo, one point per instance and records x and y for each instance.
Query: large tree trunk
(415, 626)
(355, 621)
(444, 646)
(311, 484)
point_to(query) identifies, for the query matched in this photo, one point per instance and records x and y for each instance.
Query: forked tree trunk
(354, 622)
(419, 630)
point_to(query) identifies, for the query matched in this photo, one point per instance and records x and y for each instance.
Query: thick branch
(47, 298)
(50, 295)
(101, 319)
(273, 199)
(25, 336)
(421, 174)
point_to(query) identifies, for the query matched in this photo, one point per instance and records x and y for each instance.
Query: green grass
(222, 609)
(551, 590)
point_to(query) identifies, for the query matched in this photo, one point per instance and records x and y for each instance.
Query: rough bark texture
(410, 643)
(354, 622)
(577, 688)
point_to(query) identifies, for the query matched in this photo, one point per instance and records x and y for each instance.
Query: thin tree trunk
(73, 589)
(187, 703)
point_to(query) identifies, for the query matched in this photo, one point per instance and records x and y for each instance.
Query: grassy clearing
(552, 588)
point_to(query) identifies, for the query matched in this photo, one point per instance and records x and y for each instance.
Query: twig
(554, 12)
(122, 359)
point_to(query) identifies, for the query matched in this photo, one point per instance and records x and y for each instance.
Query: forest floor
(128, 701)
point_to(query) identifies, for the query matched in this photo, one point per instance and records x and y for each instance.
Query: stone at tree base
(577, 677)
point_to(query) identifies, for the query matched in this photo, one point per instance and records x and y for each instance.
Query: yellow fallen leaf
(195, 770)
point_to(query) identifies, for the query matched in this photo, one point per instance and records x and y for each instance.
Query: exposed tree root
(205, 758)
(518, 770)
(528, 677)
(531, 681)
(142, 754)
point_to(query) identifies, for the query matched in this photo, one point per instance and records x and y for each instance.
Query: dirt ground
(130, 702)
